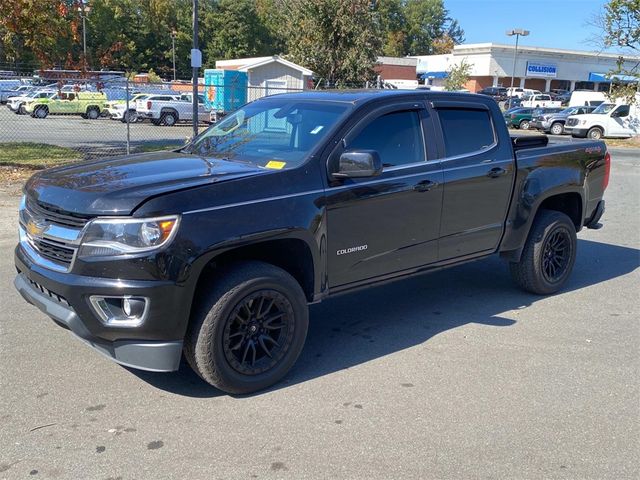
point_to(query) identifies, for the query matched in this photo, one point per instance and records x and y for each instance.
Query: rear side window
(465, 131)
(397, 137)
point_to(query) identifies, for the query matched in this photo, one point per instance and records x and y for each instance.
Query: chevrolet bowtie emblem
(36, 227)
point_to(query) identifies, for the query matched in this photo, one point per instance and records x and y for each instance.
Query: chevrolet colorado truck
(215, 250)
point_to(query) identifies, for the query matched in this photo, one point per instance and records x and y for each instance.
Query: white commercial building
(538, 68)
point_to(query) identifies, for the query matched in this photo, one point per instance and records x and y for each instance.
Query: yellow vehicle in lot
(86, 104)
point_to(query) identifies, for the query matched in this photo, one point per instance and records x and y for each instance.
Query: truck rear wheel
(168, 119)
(549, 254)
(248, 328)
(524, 125)
(41, 112)
(93, 113)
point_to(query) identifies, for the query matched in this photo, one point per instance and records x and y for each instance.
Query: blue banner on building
(537, 69)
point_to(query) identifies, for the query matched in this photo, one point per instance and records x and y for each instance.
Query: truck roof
(355, 97)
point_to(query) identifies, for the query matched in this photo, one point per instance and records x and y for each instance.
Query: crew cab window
(465, 130)
(397, 137)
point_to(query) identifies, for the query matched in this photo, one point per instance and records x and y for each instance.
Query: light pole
(84, 10)
(518, 32)
(174, 33)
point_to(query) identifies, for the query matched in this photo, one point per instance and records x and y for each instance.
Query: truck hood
(117, 186)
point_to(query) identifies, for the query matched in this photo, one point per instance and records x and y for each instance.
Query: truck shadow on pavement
(353, 329)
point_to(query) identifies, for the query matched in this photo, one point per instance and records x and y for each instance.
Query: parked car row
(165, 109)
(614, 120)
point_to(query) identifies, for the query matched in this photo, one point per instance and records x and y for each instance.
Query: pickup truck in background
(215, 250)
(86, 104)
(168, 110)
(540, 101)
(608, 120)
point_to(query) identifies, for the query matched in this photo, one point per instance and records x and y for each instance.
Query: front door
(478, 179)
(389, 223)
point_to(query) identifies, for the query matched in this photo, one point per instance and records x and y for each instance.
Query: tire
(41, 112)
(130, 116)
(557, 128)
(93, 113)
(524, 125)
(549, 254)
(21, 110)
(595, 133)
(255, 362)
(155, 122)
(168, 119)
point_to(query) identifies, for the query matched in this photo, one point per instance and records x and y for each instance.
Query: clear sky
(553, 23)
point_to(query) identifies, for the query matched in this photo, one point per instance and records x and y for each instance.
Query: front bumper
(65, 298)
(576, 132)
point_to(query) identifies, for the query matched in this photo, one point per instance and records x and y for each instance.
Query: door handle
(425, 186)
(496, 172)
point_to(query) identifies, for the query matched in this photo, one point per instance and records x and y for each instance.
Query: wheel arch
(561, 199)
(292, 254)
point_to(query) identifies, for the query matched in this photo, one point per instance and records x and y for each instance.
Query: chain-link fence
(46, 122)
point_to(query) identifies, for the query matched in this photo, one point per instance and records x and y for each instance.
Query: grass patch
(35, 156)
(156, 147)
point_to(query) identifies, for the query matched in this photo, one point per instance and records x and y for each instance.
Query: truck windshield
(604, 108)
(274, 133)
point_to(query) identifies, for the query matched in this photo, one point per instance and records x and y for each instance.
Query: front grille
(56, 216)
(572, 122)
(53, 295)
(53, 251)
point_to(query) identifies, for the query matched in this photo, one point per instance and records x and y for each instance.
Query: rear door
(390, 223)
(478, 178)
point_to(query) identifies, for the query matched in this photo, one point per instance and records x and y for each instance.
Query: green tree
(621, 23)
(235, 29)
(45, 31)
(338, 39)
(427, 22)
(457, 76)
(392, 21)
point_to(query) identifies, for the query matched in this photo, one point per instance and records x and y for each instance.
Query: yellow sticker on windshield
(275, 165)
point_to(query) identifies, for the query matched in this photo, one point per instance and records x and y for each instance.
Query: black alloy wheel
(556, 254)
(258, 332)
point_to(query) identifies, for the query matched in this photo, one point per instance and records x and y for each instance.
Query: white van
(586, 98)
(608, 120)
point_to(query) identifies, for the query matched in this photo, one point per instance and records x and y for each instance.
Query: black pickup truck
(214, 251)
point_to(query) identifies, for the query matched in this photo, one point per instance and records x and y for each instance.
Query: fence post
(127, 117)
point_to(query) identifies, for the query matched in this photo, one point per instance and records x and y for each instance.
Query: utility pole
(196, 63)
(84, 10)
(174, 33)
(517, 32)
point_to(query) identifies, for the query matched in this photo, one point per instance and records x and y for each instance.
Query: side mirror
(358, 164)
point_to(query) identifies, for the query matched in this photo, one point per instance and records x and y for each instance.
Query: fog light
(123, 311)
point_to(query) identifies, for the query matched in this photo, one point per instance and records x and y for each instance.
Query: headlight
(121, 236)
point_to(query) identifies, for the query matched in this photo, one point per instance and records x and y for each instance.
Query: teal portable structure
(225, 90)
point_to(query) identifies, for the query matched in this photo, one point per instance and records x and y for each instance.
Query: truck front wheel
(548, 255)
(247, 328)
(557, 128)
(594, 133)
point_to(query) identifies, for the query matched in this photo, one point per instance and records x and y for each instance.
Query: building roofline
(488, 47)
(277, 59)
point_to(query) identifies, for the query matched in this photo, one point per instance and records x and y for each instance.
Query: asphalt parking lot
(453, 375)
(98, 137)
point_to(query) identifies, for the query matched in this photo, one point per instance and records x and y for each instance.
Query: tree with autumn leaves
(338, 39)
